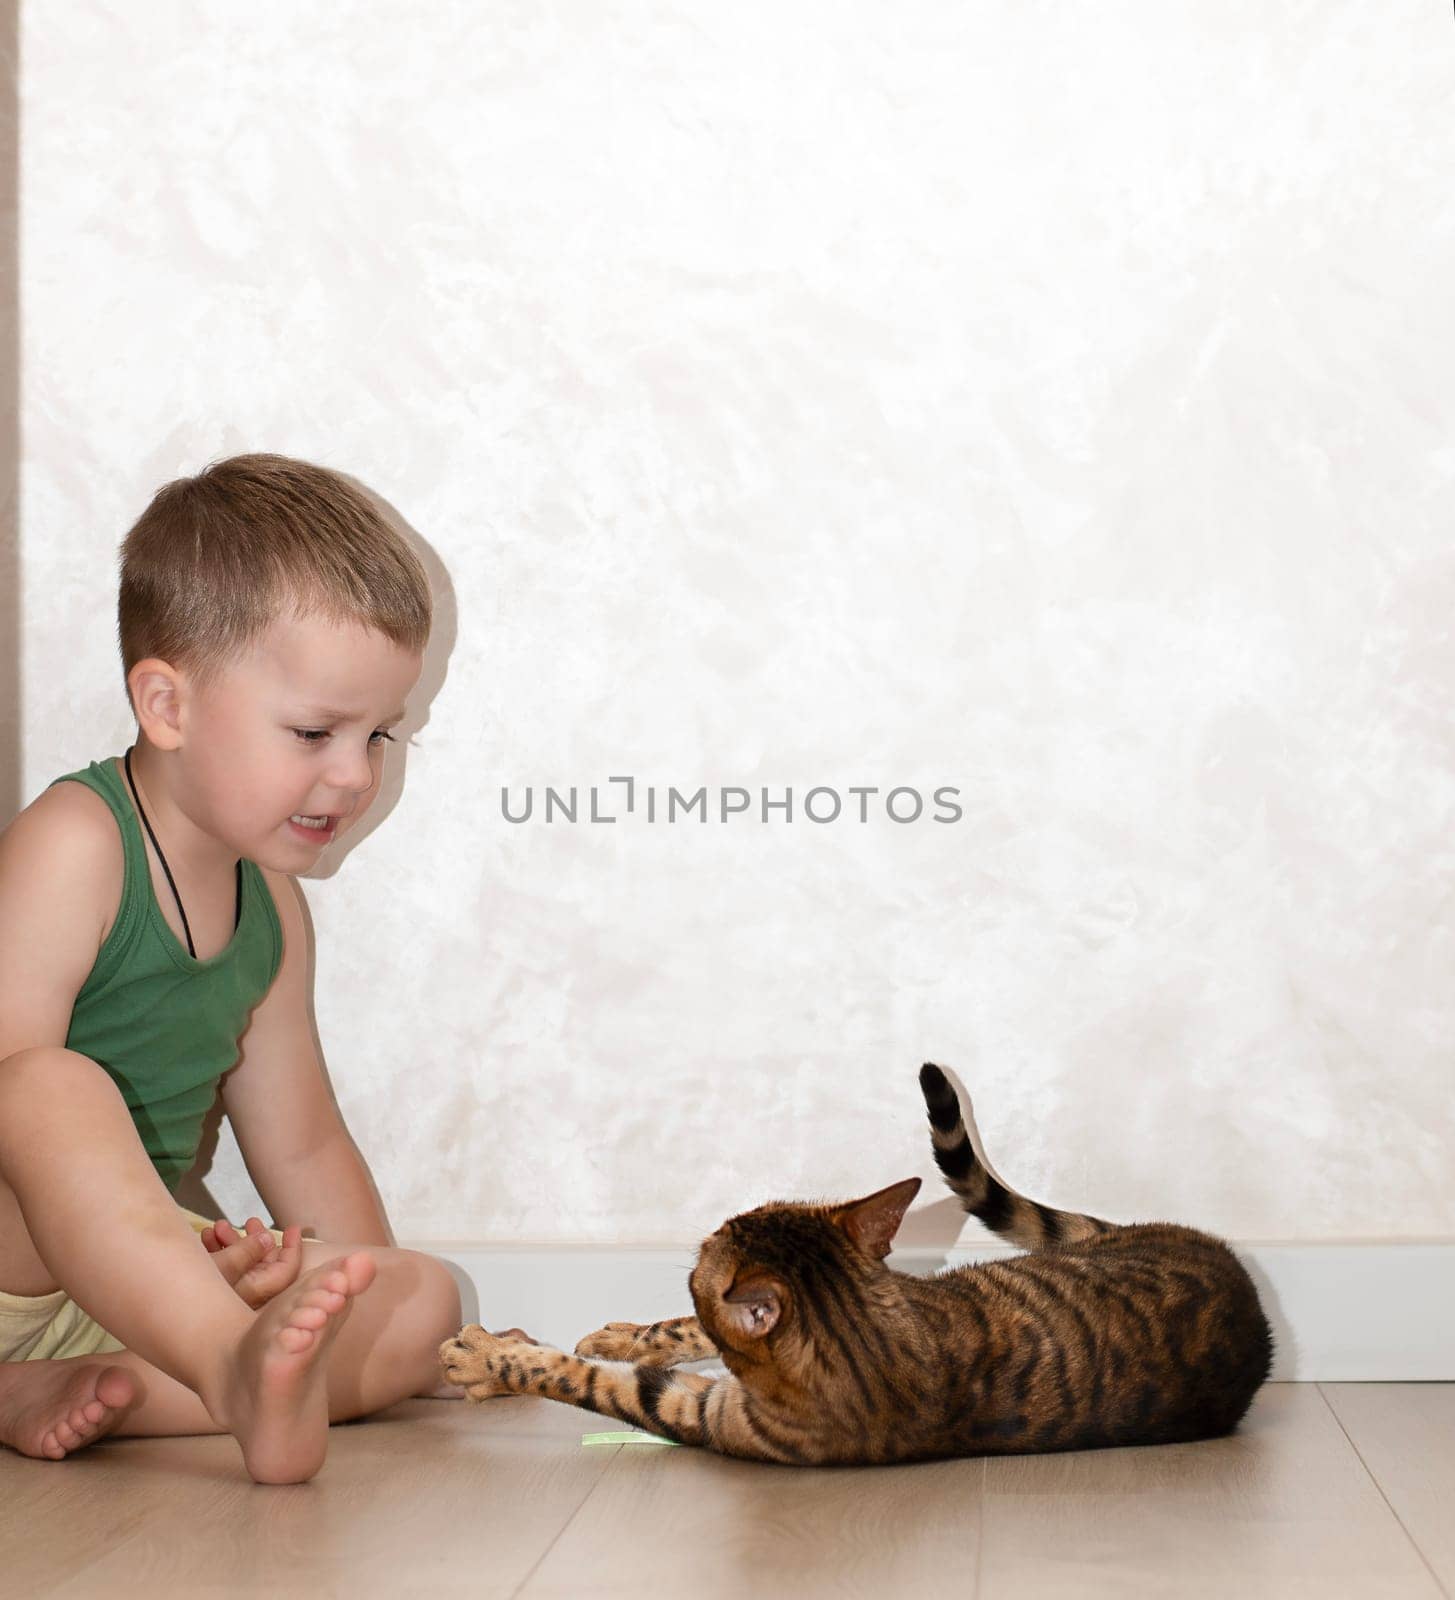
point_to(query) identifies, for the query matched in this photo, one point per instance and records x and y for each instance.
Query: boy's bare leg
(70, 1154)
(52, 1407)
(385, 1352)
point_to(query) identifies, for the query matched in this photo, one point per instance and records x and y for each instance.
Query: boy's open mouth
(318, 826)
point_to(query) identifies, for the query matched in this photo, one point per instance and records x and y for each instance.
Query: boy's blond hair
(215, 559)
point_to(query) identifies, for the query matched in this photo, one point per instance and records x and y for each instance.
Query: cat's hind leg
(651, 1344)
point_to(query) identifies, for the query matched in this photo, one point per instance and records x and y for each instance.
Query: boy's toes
(77, 1429)
(319, 1303)
(358, 1271)
(115, 1388)
(82, 1424)
(81, 1421)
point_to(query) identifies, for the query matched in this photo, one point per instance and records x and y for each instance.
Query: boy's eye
(318, 735)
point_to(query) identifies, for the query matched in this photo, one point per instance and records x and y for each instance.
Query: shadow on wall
(10, 731)
(192, 1192)
(443, 632)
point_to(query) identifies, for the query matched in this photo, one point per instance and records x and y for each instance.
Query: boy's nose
(354, 775)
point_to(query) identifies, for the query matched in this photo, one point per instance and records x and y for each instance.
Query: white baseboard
(1350, 1312)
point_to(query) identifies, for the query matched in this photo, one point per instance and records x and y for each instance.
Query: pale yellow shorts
(43, 1327)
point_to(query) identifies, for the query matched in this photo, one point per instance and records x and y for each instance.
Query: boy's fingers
(283, 1262)
(220, 1235)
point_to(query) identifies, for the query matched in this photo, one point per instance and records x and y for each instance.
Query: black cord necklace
(237, 913)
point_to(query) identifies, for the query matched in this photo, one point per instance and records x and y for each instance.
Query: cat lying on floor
(1101, 1335)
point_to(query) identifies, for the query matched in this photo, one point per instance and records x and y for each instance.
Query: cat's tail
(961, 1157)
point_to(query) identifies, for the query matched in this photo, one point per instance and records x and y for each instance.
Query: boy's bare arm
(58, 863)
(60, 869)
(298, 1152)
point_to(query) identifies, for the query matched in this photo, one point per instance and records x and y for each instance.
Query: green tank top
(164, 1025)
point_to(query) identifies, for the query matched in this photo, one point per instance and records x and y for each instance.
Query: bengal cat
(1101, 1335)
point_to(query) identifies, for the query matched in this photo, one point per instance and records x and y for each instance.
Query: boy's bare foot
(273, 1393)
(49, 1408)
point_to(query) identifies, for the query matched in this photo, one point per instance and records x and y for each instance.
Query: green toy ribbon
(624, 1438)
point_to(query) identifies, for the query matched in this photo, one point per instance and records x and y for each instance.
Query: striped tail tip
(940, 1097)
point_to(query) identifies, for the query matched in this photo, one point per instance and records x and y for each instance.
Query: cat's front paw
(617, 1341)
(479, 1361)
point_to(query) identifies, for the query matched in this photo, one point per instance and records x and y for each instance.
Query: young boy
(152, 943)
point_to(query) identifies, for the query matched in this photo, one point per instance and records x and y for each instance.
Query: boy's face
(297, 727)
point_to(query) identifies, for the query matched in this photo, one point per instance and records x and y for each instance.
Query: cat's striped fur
(1100, 1335)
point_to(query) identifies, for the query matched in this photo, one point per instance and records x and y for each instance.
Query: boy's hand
(253, 1262)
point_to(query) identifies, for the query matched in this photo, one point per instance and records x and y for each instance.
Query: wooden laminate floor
(1328, 1490)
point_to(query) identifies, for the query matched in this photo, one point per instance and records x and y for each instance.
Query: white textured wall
(1053, 401)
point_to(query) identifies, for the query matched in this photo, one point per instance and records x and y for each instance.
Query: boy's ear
(873, 1222)
(754, 1306)
(156, 700)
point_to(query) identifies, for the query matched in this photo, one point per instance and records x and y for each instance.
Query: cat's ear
(873, 1222)
(753, 1308)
